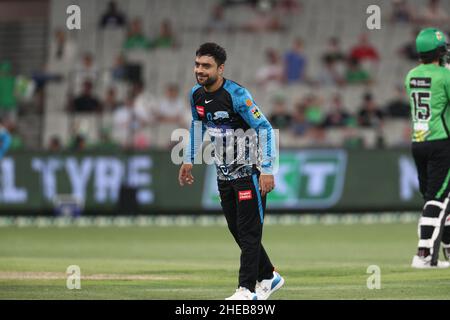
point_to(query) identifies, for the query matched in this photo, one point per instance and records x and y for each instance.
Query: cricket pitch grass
(201, 262)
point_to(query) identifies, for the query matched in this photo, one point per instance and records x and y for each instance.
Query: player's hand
(185, 175)
(266, 183)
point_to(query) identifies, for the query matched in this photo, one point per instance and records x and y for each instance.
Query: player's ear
(221, 68)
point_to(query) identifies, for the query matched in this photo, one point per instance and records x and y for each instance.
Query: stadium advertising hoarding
(308, 180)
(35, 181)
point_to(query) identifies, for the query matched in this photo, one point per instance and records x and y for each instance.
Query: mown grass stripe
(206, 220)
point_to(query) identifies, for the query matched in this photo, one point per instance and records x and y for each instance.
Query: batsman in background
(428, 88)
(222, 107)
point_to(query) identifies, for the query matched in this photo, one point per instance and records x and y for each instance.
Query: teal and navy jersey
(5, 141)
(221, 113)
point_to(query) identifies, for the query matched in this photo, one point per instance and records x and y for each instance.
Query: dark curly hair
(214, 50)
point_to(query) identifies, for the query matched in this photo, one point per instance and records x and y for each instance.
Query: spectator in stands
(295, 63)
(266, 5)
(317, 136)
(42, 76)
(356, 74)
(314, 109)
(110, 102)
(231, 3)
(369, 114)
(280, 118)
(106, 142)
(352, 138)
(398, 107)
(166, 37)
(330, 74)
(17, 142)
(333, 52)
(86, 101)
(141, 141)
(144, 103)
(401, 12)
(78, 143)
(63, 53)
(8, 98)
(171, 108)
(119, 69)
(124, 71)
(217, 21)
(124, 122)
(300, 125)
(86, 71)
(54, 144)
(289, 7)
(408, 50)
(265, 20)
(112, 17)
(270, 75)
(337, 117)
(135, 37)
(363, 50)
(434, 15)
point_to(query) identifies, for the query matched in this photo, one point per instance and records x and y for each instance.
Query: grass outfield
(194, 262)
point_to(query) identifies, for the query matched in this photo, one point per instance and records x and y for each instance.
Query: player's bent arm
(251, 113)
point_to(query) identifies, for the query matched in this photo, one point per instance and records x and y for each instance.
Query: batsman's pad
(431, 225)
(446, 233)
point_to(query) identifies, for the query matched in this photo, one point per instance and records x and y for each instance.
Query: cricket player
(223, 107)
(428, 88)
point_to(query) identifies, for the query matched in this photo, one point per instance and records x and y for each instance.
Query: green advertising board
(313, 179)
(306, 180)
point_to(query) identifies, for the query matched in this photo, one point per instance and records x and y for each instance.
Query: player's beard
(208, 82)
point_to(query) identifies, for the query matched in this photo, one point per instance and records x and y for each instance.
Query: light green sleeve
(447, 83)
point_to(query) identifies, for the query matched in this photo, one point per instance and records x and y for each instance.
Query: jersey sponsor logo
(224, 170)
(438, 35)
(245, 195)
(420, 135)
(421, 126)
(221, 115)
(248, 103)
(420, 83)
(256, 113)
(200, 110)
(219, 131)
